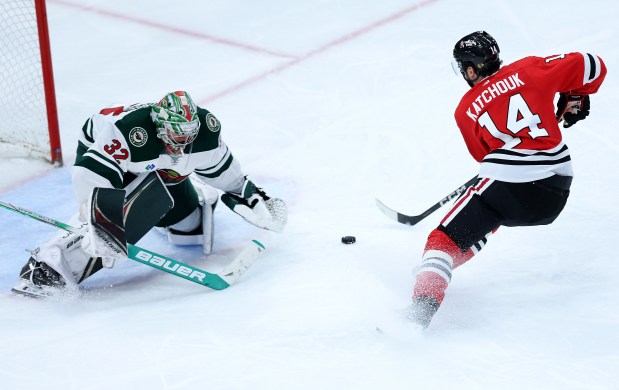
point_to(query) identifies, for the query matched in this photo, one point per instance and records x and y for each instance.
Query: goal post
(28, 113)
(48, 83)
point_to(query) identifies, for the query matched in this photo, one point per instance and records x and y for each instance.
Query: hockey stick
(217, 281)
(414, 219)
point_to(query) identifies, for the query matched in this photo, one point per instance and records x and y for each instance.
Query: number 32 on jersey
(116, 151)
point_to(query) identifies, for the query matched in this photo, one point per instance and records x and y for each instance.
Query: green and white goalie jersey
(120, 143)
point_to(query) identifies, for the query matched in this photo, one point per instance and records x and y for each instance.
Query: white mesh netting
(23, 118)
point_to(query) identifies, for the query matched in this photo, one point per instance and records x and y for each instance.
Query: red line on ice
(336, 42)
(294, 60)
(173, 29)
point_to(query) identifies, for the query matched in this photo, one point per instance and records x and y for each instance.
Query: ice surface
(327, 104)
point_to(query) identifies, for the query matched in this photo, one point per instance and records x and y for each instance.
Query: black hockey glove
(572, 108)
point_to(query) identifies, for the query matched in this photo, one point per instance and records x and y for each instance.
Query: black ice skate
(423, 309)
(38, 280)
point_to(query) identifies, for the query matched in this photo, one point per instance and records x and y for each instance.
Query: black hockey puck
(349, 239)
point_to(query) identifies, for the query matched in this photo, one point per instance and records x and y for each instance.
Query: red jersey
(508, 120)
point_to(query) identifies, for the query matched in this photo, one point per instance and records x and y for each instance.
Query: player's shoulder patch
(208, 120)
(212, 123)
(208, 136)
(138, 136)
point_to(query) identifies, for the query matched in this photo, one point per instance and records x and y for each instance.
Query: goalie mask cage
(28, 116)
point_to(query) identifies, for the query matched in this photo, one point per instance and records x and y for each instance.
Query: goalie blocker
(114, 221)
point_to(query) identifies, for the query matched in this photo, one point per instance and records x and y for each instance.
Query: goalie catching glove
(257, 208)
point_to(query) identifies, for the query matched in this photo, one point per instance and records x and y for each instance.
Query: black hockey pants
(492, 203)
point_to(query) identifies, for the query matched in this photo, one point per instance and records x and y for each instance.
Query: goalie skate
(38, 280)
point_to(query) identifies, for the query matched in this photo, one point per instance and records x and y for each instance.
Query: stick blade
(389, 212)
(242, 262)
(394, 215)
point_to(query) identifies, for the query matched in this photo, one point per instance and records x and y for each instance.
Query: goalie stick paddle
(217, 281)
(414, 219)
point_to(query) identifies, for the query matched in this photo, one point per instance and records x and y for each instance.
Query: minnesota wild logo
(138, 136)
(212, 123)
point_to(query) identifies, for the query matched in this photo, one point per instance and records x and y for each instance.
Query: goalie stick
(414, 219)
(217, 281)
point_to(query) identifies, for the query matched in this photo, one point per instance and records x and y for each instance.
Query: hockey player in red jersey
(510, 126)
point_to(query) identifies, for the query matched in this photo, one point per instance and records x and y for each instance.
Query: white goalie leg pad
(208, 197)
(64, 254)
(187, 231)
(94, 246)
(196, 229)
(206, 193)
(208, 227)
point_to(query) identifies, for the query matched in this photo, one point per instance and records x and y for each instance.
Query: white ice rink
(327, 104)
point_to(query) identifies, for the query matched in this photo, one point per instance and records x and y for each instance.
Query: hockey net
(28, 118)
